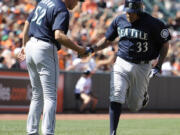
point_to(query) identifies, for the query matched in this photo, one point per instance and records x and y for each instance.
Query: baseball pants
(129, 82)
(42, 64)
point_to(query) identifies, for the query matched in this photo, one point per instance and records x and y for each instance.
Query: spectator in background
(83, 91)
(89, 6)
(61, 57)
(16, 63)
(156, 13)
(177, 65)
(177, 21)
(103, 63)
(101, 4)
(80, 64)
(2, 63)
(93, 16)
(168, 68)
(8, 59)
(68, 60)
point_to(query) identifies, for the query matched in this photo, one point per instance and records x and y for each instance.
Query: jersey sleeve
(163, 33)
(112, 33)
(61, 21)
(30, 16)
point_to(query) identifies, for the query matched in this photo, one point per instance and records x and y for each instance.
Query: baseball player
(142, 38)
(44, 32)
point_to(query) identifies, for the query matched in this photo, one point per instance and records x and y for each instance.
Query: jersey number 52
(38, 15)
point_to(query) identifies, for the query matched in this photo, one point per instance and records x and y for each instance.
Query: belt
(44, 40)
(139, 62)
(48, 41)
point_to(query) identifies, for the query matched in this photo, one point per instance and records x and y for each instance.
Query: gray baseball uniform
(142, 38)
(42, 62)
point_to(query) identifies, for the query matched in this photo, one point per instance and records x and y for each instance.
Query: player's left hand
(155, 71)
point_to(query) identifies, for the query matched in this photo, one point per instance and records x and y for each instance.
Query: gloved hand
(88, 51)
(155, 71)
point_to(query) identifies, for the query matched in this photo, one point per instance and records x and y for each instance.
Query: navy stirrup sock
(114, 112)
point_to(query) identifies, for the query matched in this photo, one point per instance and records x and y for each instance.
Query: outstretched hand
(21, 55)
(88, 51)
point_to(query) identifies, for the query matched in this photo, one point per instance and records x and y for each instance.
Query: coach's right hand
(88, 51)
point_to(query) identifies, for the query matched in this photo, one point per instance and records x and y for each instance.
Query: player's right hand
(88, 51)
(155, 72)
(21, 55)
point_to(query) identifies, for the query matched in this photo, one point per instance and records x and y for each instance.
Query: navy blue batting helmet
(133, 6)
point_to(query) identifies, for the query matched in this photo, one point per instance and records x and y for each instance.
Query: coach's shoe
(146, 99)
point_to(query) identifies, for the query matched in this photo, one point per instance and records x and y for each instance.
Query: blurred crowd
(88, 24)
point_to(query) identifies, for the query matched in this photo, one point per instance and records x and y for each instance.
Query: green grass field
(100, 127)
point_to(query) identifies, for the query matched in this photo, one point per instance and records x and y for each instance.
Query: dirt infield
(94, 116)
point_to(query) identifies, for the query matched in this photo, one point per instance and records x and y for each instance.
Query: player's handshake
(88, 51)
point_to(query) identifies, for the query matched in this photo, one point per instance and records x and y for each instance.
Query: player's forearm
(163, 54)
(103, 43)
(25, 33)
(64, 40)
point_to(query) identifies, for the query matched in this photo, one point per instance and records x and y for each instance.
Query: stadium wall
(15, 91)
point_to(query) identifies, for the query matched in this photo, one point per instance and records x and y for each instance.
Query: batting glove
(155, 72)
(89, 50)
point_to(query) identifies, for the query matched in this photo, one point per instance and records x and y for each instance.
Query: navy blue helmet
(133, 6)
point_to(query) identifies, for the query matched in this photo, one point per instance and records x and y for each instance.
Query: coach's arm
(21, 55)
(64, 40)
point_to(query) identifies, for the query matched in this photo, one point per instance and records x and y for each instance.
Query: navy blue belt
(49, 41)
(137, 61)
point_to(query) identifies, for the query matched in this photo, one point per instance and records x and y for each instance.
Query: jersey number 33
(142, 47)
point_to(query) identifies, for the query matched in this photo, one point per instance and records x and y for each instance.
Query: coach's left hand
(21, 55)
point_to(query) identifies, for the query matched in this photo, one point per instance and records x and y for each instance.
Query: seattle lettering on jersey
(49, 3)
(132, 33)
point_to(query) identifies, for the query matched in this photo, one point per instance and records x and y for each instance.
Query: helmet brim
(129, 10)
